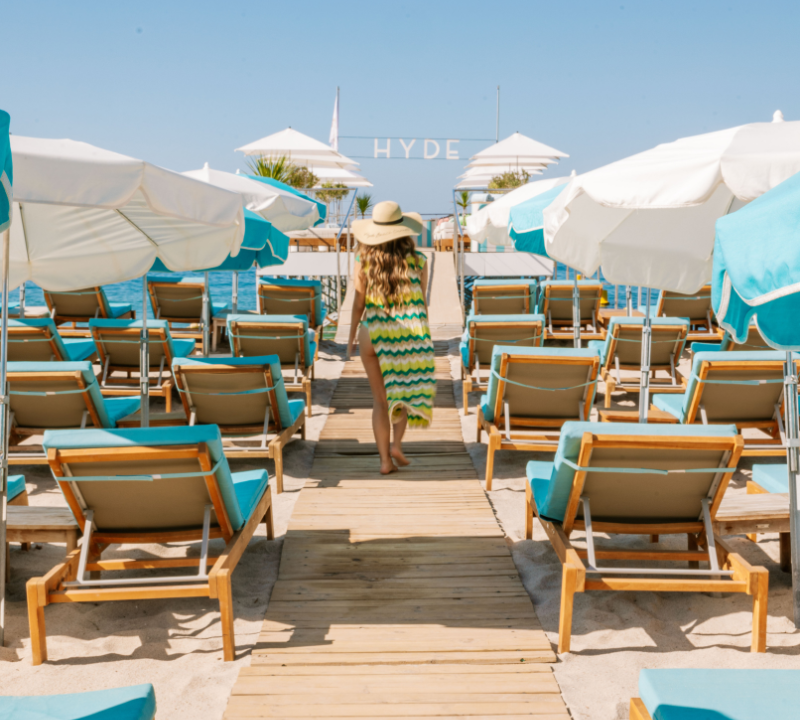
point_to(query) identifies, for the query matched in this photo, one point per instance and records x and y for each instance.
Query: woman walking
(390, 321)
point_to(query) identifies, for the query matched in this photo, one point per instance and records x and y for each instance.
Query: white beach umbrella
(479, 178)
(510, 161)
(491, 222)
(519, 146)
(649, 219)
(297, 147)
(285, 210)
(340, 175)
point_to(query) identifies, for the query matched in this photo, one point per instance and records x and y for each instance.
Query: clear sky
(182, 83)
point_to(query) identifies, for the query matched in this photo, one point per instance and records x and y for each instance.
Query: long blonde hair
(386, 268)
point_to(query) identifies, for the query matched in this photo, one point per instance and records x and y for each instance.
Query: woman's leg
(397, 444)
(381, 427)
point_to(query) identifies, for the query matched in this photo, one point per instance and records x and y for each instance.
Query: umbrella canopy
(299, 148)
(649, 219)
(322, 208)
(6, 172)
(339, 175)
(285, 210)
(75, 203)
(518, 146)
(480, 177)
(526, 220)
(491, 223)
(757, 267)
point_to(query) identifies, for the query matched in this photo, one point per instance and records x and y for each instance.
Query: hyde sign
(430, 149)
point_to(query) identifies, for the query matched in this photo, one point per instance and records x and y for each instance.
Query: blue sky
(183, 83)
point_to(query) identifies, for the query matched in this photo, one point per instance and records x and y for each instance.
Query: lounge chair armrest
(66, 570)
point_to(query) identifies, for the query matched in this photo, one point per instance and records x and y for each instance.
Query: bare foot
(388, 469)
(398, 457)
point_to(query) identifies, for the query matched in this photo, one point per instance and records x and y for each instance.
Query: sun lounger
(504, 297)
(137, 702)
(49, 395)
(118, 345)
(286, 336)
(754, 343)
(697, 309)
(633, 479)
(179, 301)
(716, 694)
(621, 351)
(482, 334)
(83, 305)
(37, 340)
(555, 303)
(278, 296)
(532, 392)
(144, 486)
(247, 399)
(745, 388)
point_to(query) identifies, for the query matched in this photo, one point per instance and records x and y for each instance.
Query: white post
(644, 387)
(144, 362)
(235, 292)
(22, 300)
(206, 316)
(628, 300)
(576, 312)
(4, 433)
(793, 457)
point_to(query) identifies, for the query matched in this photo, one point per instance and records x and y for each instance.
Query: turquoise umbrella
(756, 276)
(6, 181)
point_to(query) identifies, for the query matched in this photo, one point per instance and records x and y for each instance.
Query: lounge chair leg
(610, 387)
(278, 456)
(168, 396)
(478, 423)
(494, 444)
(784, 540)
(692, 546)
(226, 615)
(638, 710)
(269, 522)
(36, 620)
(569, 582)
(752, 489)
(528, 512)
(759, 643)
(307, 386)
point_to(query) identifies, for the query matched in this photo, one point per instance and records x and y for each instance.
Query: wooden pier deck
(397, 596)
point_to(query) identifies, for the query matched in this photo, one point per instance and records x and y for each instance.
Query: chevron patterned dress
(402, 341)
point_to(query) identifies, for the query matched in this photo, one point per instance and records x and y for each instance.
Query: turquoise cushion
(249, 486)
(287, 411)
(552, 496)
(103, 406)
(79, 348)
(604, 344)
(183, 347)
(698, 347)
(310, 348)
(137, 324)
(120, 407)
(773, 478)
(16, 486)
(694, 694)
(137, 702)
(671, 403)
(319, 306)
(116, 309)
(158, 437)
(219, 308)
(473, 320)
(488, 400)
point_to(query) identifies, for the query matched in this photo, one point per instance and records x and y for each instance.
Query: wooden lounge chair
(179, 301)
(754, 343)
(632, 479)
(143, 486)
(48, 395)
(137, 702)
(716, 694)
(555, 303)
(482, 334)
(504, 297)
(118, 346)
(745, 388)
(38, 340)
(246, 398)
(621, 352)
(278, 296)
(83, 305)
(532, 392)
(286, 336)
(697, 309)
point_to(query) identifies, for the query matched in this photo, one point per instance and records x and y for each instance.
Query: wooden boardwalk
(397, 596)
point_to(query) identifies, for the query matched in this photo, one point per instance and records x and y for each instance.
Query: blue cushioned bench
(137, 702)
(632, 479)
(38, 340)
(150, 485)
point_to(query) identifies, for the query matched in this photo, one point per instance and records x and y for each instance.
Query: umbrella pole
(22, 301)
(205, 316)
(628, 300)
(234, 291)
(576, 312)
(793, 457)
(644, 387)
(144, 362)
(4, 429)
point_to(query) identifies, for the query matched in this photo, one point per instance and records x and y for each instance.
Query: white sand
(174, 644)
(614, 635)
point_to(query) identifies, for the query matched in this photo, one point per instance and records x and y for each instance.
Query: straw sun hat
(388, 223)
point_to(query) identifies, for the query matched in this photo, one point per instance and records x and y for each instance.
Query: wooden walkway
(397, 596)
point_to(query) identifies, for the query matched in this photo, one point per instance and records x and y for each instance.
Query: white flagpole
(333, 139)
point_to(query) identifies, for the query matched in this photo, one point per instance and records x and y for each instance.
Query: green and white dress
(401, 337)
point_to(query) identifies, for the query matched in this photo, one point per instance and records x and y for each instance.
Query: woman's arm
(423, 281)
(359, 303)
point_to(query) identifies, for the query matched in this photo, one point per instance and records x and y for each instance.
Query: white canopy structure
(299, 148)
(649, 219)
(480, 177)
(340, 176)
(491, 222)
(83, 216)
(285, 210)
(520, 147)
